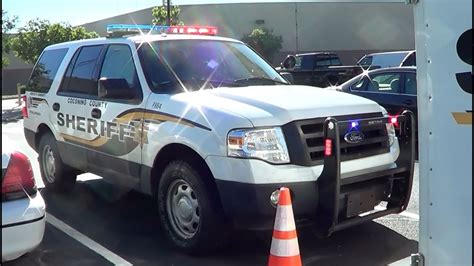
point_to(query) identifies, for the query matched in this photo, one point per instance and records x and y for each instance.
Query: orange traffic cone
(285, 250)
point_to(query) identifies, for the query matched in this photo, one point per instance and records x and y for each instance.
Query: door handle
(96, 113)
(56, 107)
(408, 102)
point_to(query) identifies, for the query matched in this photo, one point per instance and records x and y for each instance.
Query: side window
(410, 60)
(118, 64)
(410, 83)
(366, 61)
(45, 70)
(361, 85)
(386, 82)
(80, 76)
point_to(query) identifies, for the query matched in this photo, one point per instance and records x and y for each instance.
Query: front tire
(56, 175)
(189, 211)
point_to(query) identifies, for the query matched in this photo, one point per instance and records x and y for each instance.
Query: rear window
(45, 70)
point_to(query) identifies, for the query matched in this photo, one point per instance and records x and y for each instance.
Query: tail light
(24, 109)
(18, 181)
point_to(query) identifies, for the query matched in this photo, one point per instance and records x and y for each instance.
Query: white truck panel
(445, 143)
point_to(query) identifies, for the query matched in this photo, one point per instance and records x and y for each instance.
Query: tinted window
(118, 63)
(80, 76)
(389, 59)
(45, 70)
(386, 82)
(325, 62)
(307, 61)
(410, 60)
(365, 61)
(410, 83)
(360, 85)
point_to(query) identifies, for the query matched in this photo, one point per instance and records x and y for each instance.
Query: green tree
(37, 34)
(264, 42)
(160, 16)
(7, 25)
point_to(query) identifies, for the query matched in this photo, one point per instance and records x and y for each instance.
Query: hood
(280, 104)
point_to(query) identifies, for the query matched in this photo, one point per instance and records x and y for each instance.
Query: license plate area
(363, 199)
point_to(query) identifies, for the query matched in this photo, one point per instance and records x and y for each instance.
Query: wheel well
(173, 152)
(42, 129)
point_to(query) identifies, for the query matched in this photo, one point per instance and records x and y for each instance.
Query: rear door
(68, 114)
(118, 156)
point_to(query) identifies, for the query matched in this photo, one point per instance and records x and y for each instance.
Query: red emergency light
(198, 30)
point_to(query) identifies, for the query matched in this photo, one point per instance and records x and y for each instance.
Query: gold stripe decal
(97, 142)
(463, 118)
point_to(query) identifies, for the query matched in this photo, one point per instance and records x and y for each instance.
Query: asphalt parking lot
(99, 224)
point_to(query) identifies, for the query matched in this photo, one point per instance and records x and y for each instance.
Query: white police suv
(211, 131)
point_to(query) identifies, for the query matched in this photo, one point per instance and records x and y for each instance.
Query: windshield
(189, 65)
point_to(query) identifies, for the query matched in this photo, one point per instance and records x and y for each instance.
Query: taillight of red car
(18, 181)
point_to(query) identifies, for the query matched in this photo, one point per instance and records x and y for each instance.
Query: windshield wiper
(250, 79)
(215, 83)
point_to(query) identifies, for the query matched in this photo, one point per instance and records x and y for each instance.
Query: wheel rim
(183, 209)
(48, 164)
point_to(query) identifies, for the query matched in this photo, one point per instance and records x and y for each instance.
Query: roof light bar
(120, 30)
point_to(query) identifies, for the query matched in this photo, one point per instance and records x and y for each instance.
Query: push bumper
(331, 203)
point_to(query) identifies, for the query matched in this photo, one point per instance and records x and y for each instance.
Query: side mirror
(289, 62)
(115, 88)
(288, 76)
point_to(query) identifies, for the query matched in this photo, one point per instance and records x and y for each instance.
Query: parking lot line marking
(91, 244)
(405, 213)
(410, 215)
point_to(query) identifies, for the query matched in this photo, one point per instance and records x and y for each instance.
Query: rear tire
(56, 175)
(189, 211)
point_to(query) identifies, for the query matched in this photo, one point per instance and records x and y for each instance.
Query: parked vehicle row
(324, 69)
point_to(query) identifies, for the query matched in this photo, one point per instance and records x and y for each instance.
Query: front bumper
(23, 223)
(333, 201)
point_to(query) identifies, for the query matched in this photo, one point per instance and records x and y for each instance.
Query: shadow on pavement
(127, 224)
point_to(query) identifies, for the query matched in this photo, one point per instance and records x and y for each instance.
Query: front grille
(305, 140)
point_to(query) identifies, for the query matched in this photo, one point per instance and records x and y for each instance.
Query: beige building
(351, 28)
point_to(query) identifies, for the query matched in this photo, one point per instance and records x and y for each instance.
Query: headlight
(267, 144)
(391, 133)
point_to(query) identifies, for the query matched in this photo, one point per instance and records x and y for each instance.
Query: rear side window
(410, 83)
(385, 82)
(80, 76)
(366, 61)
(410, 60)
(45, 70)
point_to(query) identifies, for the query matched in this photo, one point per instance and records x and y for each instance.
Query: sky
(77, 12)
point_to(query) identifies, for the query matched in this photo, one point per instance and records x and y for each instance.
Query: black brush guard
(333, 188)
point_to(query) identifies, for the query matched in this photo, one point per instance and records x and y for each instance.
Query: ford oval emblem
(354, 137)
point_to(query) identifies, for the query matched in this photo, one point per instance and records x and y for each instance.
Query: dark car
(393, 88)
(320, 69)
